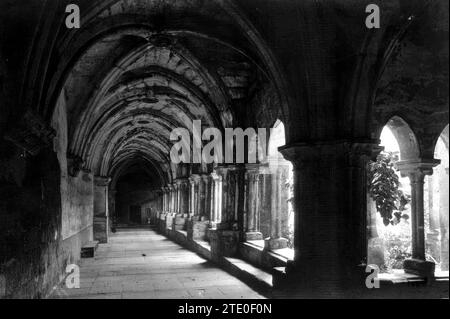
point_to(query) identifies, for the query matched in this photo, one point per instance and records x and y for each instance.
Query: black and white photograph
(224, 154)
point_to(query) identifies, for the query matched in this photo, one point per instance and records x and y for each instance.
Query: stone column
(444, 216)
(240, 199)
(165, 200)
(222, 192)
(229, 177)
(198, 223)
(330, 203)
(112, 208)
(194, 180)
(217, 200)
(279, 206)
(206, 180)
(177, 197)
(172, 199)
(224, 240)
(183, 190)
(201, 197)
(101, 216)
(433, 232)
(235, 197)
(416, 170)
(162, 223)
(212, 206)
(252, 204)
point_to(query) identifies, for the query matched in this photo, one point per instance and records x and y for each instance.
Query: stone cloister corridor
(138, 263)
(224, 149)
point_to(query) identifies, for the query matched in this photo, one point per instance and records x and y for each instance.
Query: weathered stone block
(197, 229)
(419, 267)
(253, 236)
(179, 222)
(224, 243)
(275, 243)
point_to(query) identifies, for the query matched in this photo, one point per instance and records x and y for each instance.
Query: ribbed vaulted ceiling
(132, 86)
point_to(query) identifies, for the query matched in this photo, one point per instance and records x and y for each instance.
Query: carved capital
(330, 153)
(194, 179)
(361, 153)
(101, 181)
(417, 168)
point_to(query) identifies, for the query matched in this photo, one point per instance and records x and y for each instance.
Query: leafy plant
(384, 188)
(398, 248)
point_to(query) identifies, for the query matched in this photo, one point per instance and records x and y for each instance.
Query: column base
(275, 243)
(309, 273)
(315, 281)
(419, 267)
(253, 236)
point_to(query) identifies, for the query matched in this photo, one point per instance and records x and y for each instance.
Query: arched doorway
(389, 210)
(436, 206)
(282, 212)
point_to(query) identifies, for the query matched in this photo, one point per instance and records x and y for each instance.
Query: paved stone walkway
(139, 263)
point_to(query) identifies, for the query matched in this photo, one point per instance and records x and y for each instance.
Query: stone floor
(139, 263)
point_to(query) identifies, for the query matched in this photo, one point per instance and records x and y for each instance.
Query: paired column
(205, 197)
(112, 208)
(194, 181)
(183, 193)
(251, 208)
(416, 170)
(171, 199)
(165, 191)
(279, 206)
(443, 217)
(101, 231)
(216, 200)
(177, 197)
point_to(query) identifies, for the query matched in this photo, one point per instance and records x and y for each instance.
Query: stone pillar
(101, 231)
(279, 206)
(163, 199)
(212, 206)
(233, 217)
(223, 238)
(177, 197)
(194, 180)
(172, 198)
(240, 199)
(416, 170)
(162, 224)
(330, 203)
(183, 189)
(198, 223)
(206, 180)
(112, 208)
(201, 197)
(252, 204)
(433, 232)
(167, 194)
(444, 216)
(216, 200)
(223, 192)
